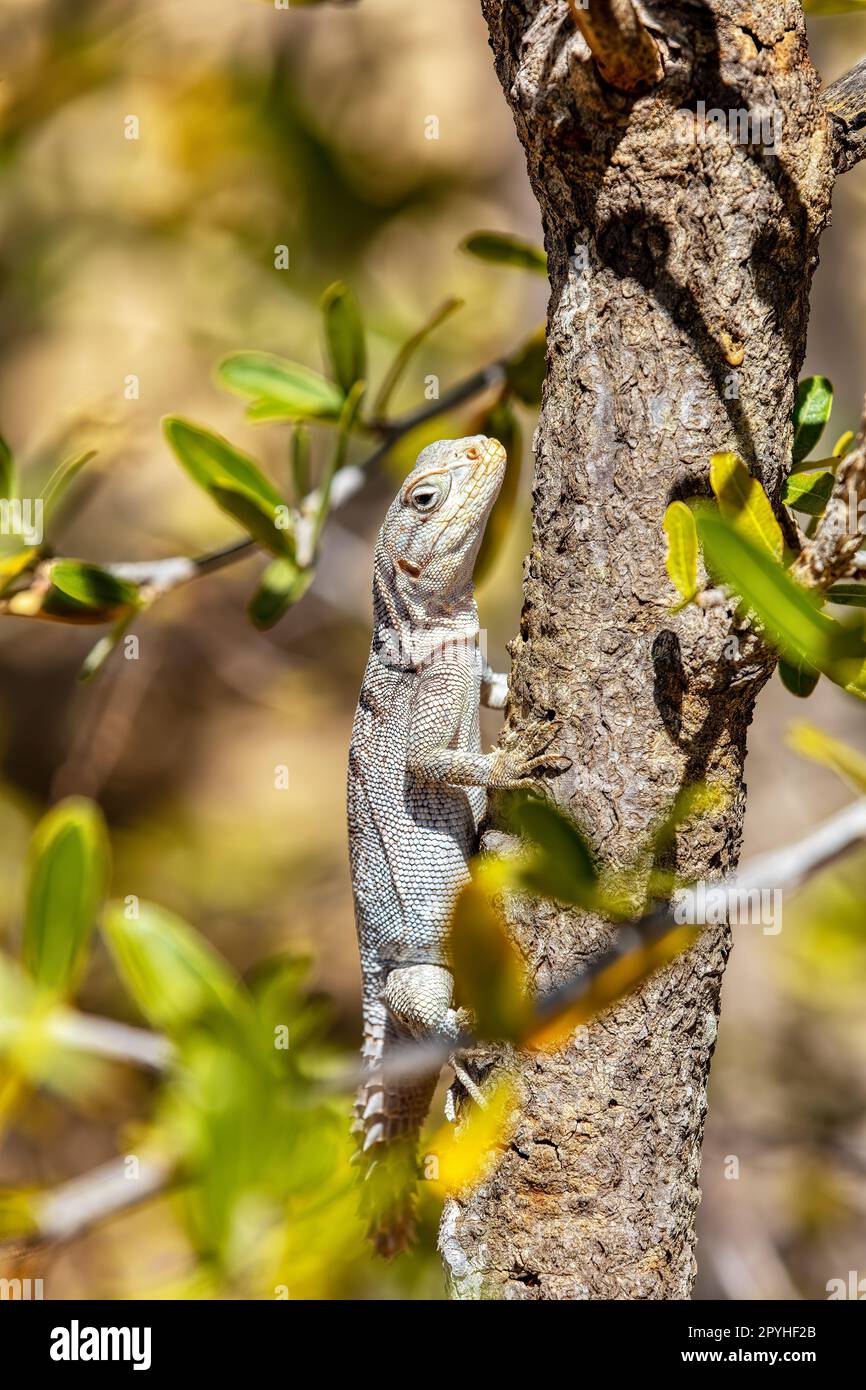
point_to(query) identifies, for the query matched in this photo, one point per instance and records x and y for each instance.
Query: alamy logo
(21, 1289)
(855, 1288)
(417, 648)
(713, 904)
(757, 128)
(76, 1343)
(22, 516)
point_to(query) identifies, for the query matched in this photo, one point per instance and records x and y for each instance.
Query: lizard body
(416, 785)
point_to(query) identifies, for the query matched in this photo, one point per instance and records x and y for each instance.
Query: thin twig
(74, 1206)
(107, 1038)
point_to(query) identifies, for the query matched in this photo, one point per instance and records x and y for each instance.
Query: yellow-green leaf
(809, 492)
(559, 1019)
(560, 865)
(488, 971)
(172, 973)
(846, 762)
(64, 474)
(93, 587)
(234, 482)
(844, 442)
(67, 878)
(456, 1160)
(344, 335)
(287, 389)
(8, 477)
(682, 557)
(11, 566)
(788, 612)
(744, 503)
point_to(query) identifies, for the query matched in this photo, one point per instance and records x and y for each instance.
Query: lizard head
(434, 526)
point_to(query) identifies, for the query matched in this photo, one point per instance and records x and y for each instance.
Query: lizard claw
(534, 756)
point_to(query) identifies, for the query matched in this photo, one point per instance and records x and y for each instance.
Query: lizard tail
(389, 1114)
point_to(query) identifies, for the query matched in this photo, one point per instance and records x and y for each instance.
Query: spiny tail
(389, 1114)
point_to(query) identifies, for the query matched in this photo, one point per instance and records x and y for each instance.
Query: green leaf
(404, 355)
(67, 878)
(743, 502)
(44, 601)
(8, 472)
(500, 423)
(846, 762)
(93, 587)
(561, 865)
(811, 413)
(788, 612)
(282, 584)
(798, 678)
(58, 484)
(809, 492)
(526, 370)
(286, 390)
(172, 973)
(851, 595)
(682, 557)
(500, 248)
(300, 460)
(101, 651)
(489, 977)
(233, 481)
(344, 335)
(76, 592)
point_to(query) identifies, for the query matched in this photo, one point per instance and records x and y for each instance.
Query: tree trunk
(680, 261)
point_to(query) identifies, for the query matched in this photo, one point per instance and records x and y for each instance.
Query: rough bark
(680, 271)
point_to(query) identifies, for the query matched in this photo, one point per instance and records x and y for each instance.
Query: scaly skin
(416, 794)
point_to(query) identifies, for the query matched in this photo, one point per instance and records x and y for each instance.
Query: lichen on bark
(680, 260)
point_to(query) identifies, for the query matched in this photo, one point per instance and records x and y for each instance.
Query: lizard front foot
(519, 766)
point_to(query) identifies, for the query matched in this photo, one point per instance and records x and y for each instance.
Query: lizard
(417, 783)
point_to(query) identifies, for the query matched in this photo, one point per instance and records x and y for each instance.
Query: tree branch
(625, 53)
(76, 1205)
(845, 100)
(105, 1037)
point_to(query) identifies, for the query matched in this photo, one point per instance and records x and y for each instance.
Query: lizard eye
(472, 453)
(428, 494)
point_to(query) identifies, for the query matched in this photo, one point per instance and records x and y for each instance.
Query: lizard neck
(407, 627)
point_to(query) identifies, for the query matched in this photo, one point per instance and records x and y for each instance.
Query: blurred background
(149, 258)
